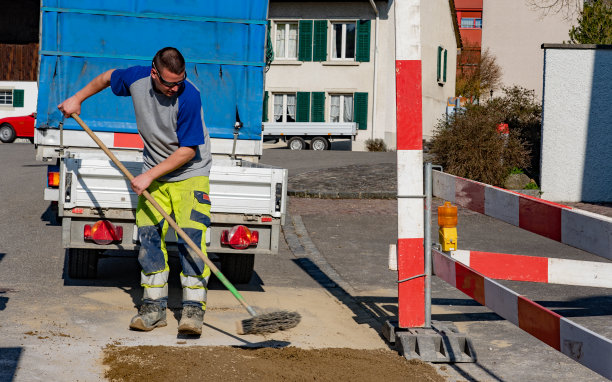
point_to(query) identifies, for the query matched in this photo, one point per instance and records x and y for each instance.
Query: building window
(471, 23)
(343, 41)
(442, 64)
(286, 41)
(284, 107)
(6, 98)
(341, 108)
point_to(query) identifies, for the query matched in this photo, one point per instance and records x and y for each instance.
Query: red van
(17, 127)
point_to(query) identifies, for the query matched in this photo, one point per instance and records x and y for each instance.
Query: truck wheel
(82, 263)
(238, 267)
(319, 144)
(7, 133)
(296, 143)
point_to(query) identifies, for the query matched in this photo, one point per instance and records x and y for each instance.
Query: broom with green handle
(258, 323)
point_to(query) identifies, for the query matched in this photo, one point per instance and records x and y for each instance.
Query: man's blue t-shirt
(166, 123)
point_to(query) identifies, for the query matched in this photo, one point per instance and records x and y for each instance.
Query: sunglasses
(166, 83)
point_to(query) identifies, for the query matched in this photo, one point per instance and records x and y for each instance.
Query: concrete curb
(368, 195)
(302, 247)
(342, 195)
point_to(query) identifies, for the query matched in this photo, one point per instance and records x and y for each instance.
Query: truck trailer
(314, 135)
(223, 44)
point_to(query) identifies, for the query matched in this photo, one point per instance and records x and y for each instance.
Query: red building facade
(469, 18)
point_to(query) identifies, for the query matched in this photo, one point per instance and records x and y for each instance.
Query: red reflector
(76, 210)
(239, 237)
(53, 179)
(103, 232)
(266, 219)
(87, 232)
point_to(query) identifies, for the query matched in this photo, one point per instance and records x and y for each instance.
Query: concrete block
(388, 330)
(441, 343)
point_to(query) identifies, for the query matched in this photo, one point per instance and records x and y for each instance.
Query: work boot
(191, 320)
(149, 317)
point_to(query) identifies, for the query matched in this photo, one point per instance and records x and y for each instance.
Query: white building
(514, 32)
(335, 62)
(576, 137)
(17, 98)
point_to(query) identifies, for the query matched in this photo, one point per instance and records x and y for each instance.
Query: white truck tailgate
(235, 187)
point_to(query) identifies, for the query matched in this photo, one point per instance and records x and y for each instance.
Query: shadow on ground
(120, 269)
(9, 359)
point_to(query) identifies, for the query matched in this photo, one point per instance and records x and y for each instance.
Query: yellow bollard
(447, 221)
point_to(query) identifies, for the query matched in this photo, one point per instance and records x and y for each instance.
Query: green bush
(531, 186)
(376, 145)
(467, 144)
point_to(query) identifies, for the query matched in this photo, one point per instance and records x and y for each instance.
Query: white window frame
(343, 45)
(9, 95)
(285, 109)
(341, 111)
(474, 24)
(287, 25)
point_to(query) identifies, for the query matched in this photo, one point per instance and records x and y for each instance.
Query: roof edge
(453, 11)
(576, 46)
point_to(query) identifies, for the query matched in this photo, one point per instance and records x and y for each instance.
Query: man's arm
(73, 104)
(177, 159)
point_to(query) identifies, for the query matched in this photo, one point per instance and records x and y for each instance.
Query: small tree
(476, 81)
(568, 8)
(469, 145)
(594, 24)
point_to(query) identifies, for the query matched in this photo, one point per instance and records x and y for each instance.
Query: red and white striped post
(410, 257)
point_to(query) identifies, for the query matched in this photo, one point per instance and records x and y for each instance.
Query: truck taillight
(53, 176)
(103, 232)
(239, 237)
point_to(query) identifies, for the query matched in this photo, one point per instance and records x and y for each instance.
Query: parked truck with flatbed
(223, 44)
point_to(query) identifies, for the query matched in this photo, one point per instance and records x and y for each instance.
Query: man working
(176, 167)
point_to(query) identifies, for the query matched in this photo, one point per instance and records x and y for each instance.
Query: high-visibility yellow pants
(189, 201)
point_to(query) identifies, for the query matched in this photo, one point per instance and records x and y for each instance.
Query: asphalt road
(354, 237)
(334, 273)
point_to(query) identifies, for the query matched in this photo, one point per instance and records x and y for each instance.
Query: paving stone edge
(342, 195)
(370, 194)
(300, 244)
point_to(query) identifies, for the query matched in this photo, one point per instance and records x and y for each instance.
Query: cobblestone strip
(291, 238)
(342, 195)
(318, 267)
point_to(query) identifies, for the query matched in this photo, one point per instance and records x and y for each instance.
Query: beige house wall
(514, 32)
(330, 76)
(436, 30)
(334, 77)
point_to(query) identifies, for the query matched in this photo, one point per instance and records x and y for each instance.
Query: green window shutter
(439, 77)
(319, 45)
(269, 46)
(303, 107)
(363, 41)
(444, 72)
(18, 98)
(318, 107)
(305, 40)
(265, 107)
(360, 107)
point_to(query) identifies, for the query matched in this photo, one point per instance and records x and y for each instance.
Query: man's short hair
(171, 59)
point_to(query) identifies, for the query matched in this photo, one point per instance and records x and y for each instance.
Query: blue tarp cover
(222, 41)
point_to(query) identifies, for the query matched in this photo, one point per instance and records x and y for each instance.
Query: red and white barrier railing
(503, 266)
(581, 229)
(580, 344)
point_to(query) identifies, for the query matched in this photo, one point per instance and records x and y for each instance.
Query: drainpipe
(375, 71)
